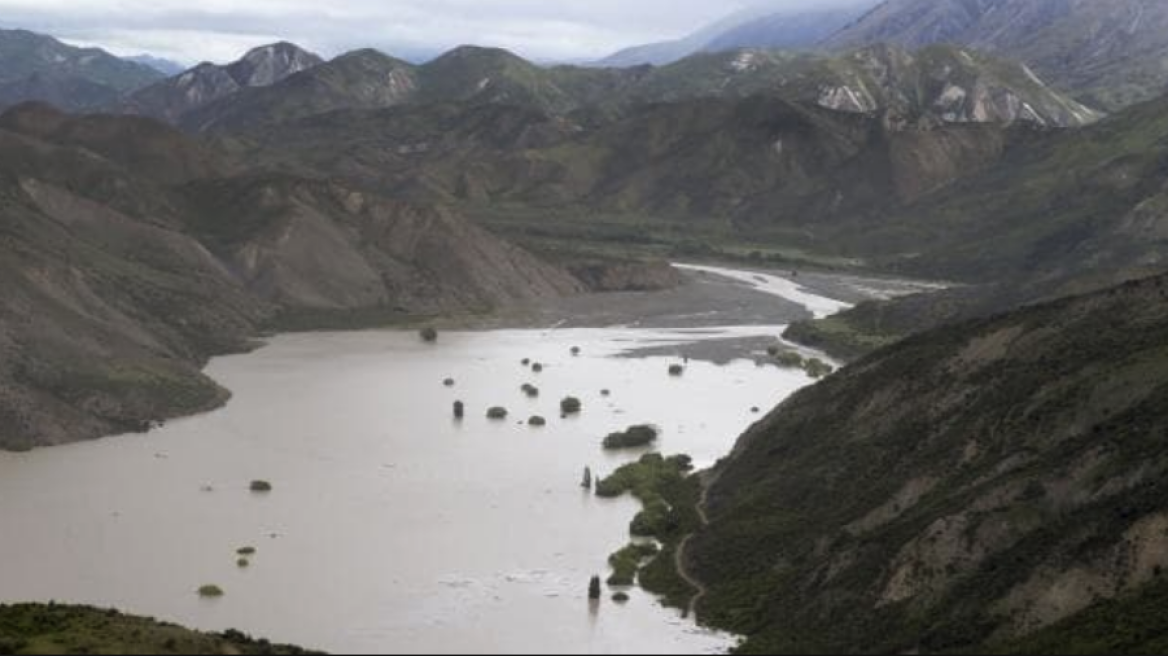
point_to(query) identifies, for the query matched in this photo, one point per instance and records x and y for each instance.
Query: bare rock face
(173, 98)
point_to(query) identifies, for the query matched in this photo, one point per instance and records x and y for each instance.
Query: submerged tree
(594, 590)
(587, 483)
(459, 410)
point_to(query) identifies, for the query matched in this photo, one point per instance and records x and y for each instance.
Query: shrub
(817, 368)
(497, 413)
(571, 406)
(210, 592)
(537, 421)
(429, 334)
(676, 370)
(790, 359)
(634, 438)
(261, 486)
(773, 351)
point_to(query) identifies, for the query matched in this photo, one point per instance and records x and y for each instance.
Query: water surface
(392, 527)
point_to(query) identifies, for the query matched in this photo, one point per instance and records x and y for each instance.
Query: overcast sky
(220, 30)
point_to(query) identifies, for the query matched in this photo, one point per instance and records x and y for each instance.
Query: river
(392, 527)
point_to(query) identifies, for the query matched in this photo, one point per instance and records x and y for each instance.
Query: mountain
(173, 98)
(131, 254)
(165, 66)
(1065, 213)
(938, 84)
(982, 488)
(1111, 54)
(788, 30)
(941, 83)
(38, 67)
(36, 628)
(763, 27)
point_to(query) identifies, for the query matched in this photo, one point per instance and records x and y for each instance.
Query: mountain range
(940, 84)
(1110, 54)
(38, 67)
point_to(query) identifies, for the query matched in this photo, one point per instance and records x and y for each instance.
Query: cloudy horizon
(220, 31)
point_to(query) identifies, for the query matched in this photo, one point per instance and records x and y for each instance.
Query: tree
(594, 590)
(587, 484)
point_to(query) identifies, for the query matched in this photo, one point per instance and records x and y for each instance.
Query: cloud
(220, 30)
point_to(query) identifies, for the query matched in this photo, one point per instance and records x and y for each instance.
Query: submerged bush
(429, 334)
(246, 551)
(634, 438)
(676, 370)
(537, 421)
(571, 406)
(261, 486)
(449, 382)
(459, 409)
(537, 368)
(497, 413)
(210, 591)
(621, 598)
(243, 563)
(530, 390)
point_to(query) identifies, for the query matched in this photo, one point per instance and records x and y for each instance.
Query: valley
(853, 315)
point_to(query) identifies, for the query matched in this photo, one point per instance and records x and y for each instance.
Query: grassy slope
(963, 488)
(56, 629)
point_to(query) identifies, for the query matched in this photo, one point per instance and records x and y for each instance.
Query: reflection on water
(392, 527)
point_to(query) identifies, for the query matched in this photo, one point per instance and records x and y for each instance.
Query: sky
(222, 30)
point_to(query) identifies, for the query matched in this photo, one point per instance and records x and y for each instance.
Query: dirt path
(679, 558)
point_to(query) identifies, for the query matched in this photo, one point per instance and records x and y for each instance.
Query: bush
(449, 382)
(537, 421)
(537, 368)
(575, 351)
(243, 563)
(246, 551)
(530, 390)
(790, 359)
(634, 438)
(621, 598)
(497, 413)
(429, 334)
(210, 592)
(261, 486)
(817, 368)
(676, 370)
(571, 406)
(605, 392)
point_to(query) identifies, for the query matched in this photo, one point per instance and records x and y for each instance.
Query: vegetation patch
(670, 496)
(497, 413)
(59, 629)
(628, 561)
(210, 592)
(635, 437)
(571, 406)
(537, 421)
(260, 487)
